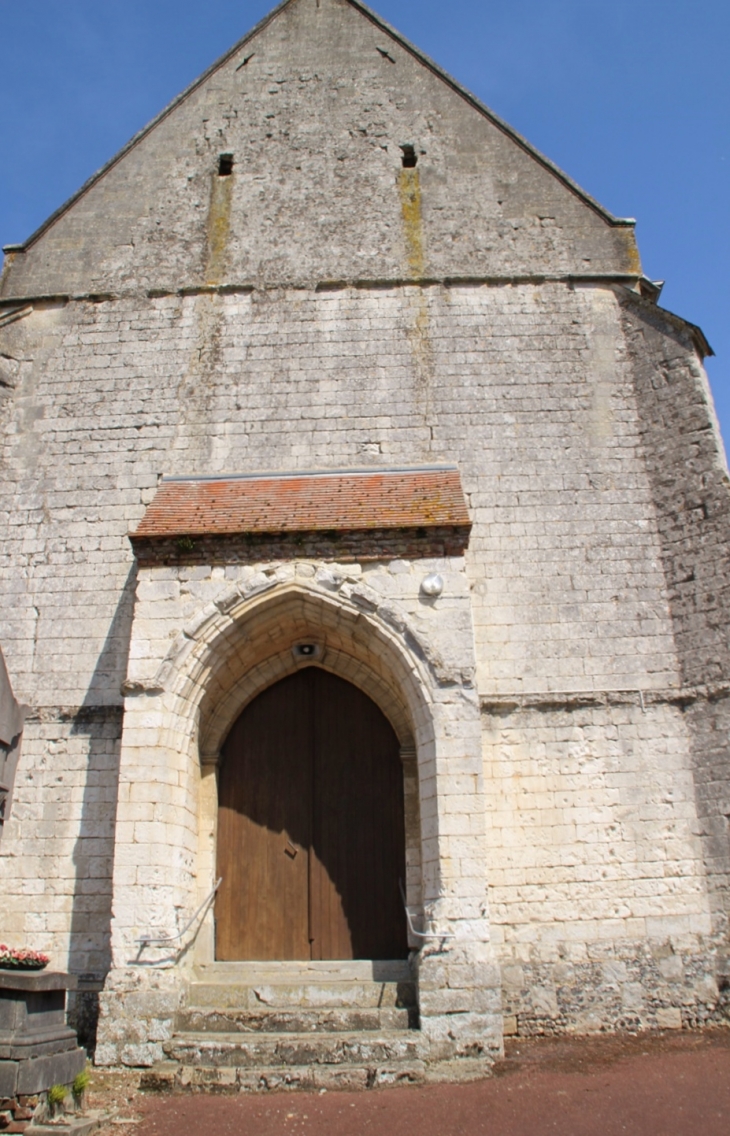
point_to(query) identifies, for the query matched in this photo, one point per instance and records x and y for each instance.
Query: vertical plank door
(264, 828)
(358, 831)
(311, 840)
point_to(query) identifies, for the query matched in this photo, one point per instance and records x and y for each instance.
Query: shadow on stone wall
(111, 666)
(99, 720)
(692, 499)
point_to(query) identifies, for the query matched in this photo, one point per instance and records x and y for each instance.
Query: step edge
(189, 1036)
(416, 1069)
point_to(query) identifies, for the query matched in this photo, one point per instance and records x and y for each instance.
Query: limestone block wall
(58, 848)
(526, 387)
(531, 389)
(688, 471)
(56, 863)
(599, 901)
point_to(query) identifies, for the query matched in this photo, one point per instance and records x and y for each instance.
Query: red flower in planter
(13, 959)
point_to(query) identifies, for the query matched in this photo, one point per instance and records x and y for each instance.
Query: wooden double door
(311, 841)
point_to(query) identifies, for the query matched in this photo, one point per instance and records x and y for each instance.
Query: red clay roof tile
(307, 502)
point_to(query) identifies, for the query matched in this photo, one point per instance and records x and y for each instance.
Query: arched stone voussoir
(248, 645)
(208, 624)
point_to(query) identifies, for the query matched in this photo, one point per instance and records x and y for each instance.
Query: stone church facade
(329, 371)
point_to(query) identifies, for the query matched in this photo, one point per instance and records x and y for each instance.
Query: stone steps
(259, 987)
(364, 1047)
(302, 996)
(257, 1026)
(168, 1076)
(349, 970)
(206, 1020)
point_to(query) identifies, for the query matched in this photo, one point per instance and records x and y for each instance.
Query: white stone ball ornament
(432, 585)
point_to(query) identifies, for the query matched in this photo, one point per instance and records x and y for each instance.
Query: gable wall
(315, 121)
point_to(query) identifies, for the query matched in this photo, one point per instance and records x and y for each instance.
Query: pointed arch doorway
(311, 833)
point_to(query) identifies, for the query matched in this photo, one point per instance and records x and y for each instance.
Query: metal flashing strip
(271, 475)
(15, 314)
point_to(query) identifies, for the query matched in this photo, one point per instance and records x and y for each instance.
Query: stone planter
(37, 1048)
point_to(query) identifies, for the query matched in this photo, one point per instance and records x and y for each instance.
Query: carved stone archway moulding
(360, 647)
(244, 642)
(239, 644)
(236, 632)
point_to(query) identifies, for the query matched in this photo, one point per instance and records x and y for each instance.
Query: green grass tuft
(81, 1083)
(57, 1095)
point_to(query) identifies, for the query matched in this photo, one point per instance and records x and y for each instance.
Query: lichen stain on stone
(4, 274)
(218, 227)
(409, 186)
(632, 250)
(602, 417)
(419, 333)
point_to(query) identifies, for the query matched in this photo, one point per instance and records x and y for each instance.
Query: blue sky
(631, 98)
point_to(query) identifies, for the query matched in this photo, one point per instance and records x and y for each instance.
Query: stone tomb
(37, 1048)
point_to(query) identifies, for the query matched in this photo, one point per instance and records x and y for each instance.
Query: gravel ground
(652, 1085)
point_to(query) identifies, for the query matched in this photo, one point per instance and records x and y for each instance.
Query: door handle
(291, 850)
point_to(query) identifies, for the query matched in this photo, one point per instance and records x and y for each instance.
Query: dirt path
(658, 1085)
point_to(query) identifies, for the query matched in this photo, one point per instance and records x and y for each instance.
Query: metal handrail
(149, 940)
(412, 929)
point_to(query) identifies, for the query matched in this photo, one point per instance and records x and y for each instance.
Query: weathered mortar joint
(673, 696)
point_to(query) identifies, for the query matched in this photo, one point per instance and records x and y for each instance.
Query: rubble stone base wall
(600, 911)
(619, 986)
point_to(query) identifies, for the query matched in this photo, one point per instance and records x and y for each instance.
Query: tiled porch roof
(336, 500)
